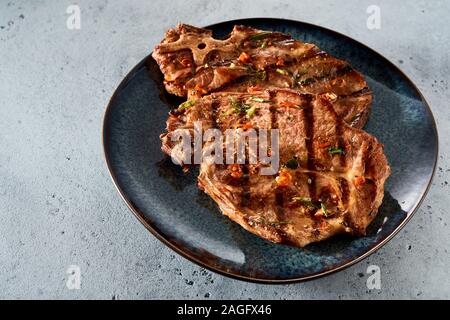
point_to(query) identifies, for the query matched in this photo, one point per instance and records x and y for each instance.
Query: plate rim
(256, 279)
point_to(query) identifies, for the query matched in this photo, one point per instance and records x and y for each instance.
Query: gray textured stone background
(57, 203)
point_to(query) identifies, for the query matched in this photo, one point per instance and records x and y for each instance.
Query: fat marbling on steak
(331, 176)
(194, 64)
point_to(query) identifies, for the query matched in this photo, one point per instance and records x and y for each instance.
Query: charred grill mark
(273, 112)
(215, 105)
(341, 144)
(373, 193)
(279, 202)
(316, 232)
(358, 93)
(273, 117)
(309, 55)
(245, 184)
(343, 183)
(245, 179)
(366, 161)
(309, 126)
(279, 194)
(345, 191)
(347, 220)
(346, 69)
(342, 71)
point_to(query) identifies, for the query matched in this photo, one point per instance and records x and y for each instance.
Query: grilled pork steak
(331, 175)
(331, 178)
(195, 64)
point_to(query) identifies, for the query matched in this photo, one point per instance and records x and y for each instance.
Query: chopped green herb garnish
(292, 163)
(306, 81)
(281, 71)
(251, 112)
(307, 202)
(186, 105)
(256, 99)
(335, 150)
(264, 44)
(323, 206)
(259, 36)
(239, 106)
(259, 74)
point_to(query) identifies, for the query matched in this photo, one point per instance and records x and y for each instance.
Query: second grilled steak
(195, 64)
(331, 176)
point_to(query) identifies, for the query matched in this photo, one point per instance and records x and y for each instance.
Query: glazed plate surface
(169, 203)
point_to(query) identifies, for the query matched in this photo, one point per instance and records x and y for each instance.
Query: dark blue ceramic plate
(170, 205)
